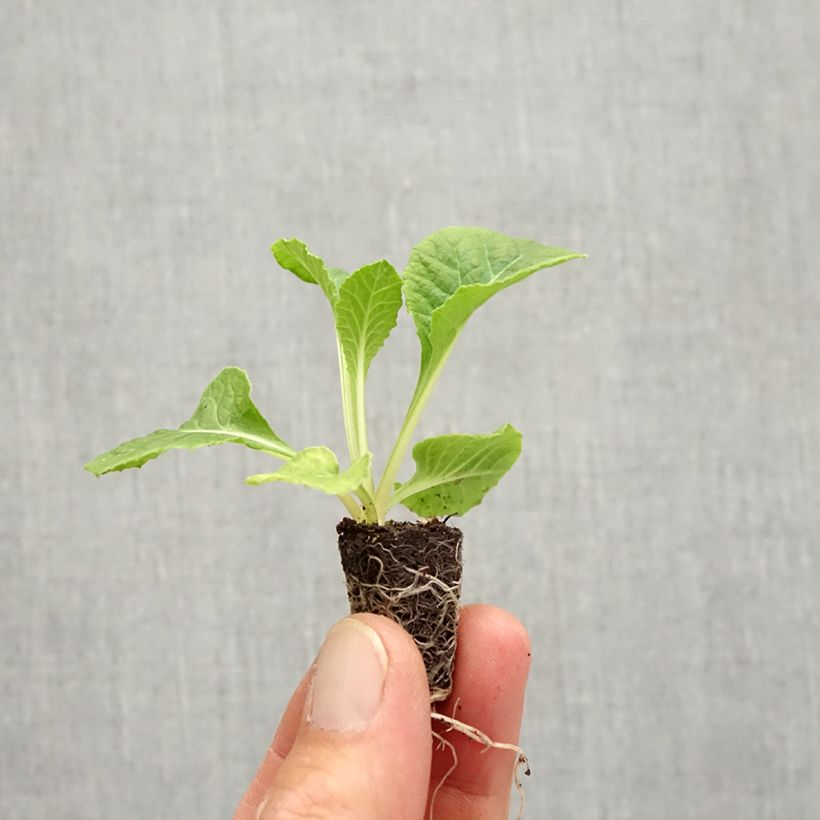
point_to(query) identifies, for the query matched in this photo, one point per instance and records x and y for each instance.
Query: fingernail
(349, 678)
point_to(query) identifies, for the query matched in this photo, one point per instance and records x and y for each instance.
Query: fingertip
(498, 633)
(497, 619)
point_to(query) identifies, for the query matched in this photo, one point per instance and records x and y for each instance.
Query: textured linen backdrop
(659, 535)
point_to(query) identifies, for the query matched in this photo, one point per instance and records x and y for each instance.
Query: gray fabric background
(660, 534)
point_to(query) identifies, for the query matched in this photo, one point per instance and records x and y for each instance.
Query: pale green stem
(422, 393)
(356, 430)
(360, 425)
(360, 420)
(366, 497)
(352, 507)
(350, 434)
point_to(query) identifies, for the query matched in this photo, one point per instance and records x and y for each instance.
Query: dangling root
(478, 736)
(444, 742)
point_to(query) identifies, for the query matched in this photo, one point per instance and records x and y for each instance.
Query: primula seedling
(407, 571)
(448, 276)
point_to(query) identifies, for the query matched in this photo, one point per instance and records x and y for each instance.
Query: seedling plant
(409, 571)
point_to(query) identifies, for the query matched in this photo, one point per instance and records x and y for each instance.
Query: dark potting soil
(409, 571)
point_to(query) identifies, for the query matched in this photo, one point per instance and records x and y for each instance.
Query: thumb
(363, 748)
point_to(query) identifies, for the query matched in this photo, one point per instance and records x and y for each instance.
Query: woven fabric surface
(659, 536)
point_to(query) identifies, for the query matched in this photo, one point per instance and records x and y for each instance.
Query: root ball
(409, 571)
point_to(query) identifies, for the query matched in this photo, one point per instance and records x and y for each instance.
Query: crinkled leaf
(225, 414)
(294, 255)
(317, 467)
(454, 271)
(454, 472)
(366, 311)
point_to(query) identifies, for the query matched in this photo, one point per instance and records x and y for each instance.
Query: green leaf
(366, 312)
(448, 276)
(453, 473)
(454, 271)
(225, 414)
(365, 305)
(293, 255)
(317, 467)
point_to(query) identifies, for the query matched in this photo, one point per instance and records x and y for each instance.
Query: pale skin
(389, 767)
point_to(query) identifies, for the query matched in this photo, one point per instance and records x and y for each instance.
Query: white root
(443, 743)
(401, 604)
(476, 735)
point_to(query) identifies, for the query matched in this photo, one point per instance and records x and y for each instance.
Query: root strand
(476, 735)
(444, 743)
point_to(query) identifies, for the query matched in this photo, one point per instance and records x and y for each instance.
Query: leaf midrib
(427, 485)
(224, 431)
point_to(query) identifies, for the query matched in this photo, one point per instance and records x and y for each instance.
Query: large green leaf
(225, 414)
(454, 472)
(366, 311)
(455, 270)
(448, 276)
(317, 467)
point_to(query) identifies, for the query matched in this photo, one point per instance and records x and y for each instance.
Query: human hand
(360, 745)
